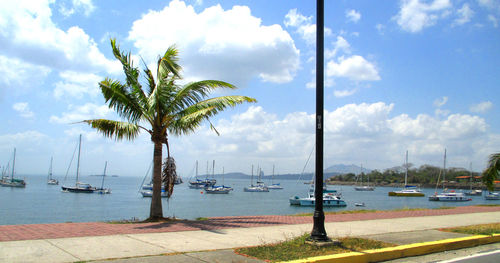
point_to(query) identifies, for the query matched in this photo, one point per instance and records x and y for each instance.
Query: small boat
(51, 180)
(103, 190)
(259, 187)
(274, 186)
(11, 181)
(331, 198)
(408, 190)
(475, 192)
(447, 196)
(364, 187)
(359, 204)
(492, 196)
(79, 187)
(471, 192)
(149, 193)
(201, 184)
(451, 196)
(218, 189)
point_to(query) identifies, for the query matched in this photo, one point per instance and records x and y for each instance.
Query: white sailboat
(79, 186)
(408, 190)
(51, 180)
(103, 190)
(364, 187)
(259, 187)
(218, 189)
(473, 192)
(11, 181)
(201, 184)
(273, 185)
(447, 196)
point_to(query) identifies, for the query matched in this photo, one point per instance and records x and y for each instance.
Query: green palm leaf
(490, 175)
(115, 129)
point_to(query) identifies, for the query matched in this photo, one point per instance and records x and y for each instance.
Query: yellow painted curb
(376, 255)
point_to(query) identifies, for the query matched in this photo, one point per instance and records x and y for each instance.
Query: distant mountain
(345, 169)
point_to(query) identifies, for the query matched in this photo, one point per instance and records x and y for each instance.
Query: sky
(413, 75)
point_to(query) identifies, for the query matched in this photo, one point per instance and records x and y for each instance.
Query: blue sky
(405, 75)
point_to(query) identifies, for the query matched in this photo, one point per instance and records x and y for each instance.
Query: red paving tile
(62, 230)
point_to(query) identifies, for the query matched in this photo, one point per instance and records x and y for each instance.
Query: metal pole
(318, 232)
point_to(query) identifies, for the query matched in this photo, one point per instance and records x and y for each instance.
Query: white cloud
(305, 26)
(441, 101)
(28, 33)
(353, 16)
(84, 6)
(17, 74)
(76, 85)
(490, 4)
(441, 112)
(80, 113)
(354, 68)
(230, 45)
(339, 45)
(344, 93)
(415, 15)
(23, 109)
(380, 28)
(481, 107)
(353, 132)
(493, 20)
(465, 15)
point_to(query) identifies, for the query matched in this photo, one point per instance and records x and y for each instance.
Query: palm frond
(195, 92)
(131, 72)
(121, 100)
(115, 129)
(191, 118)
(490, 175)
(168, 65)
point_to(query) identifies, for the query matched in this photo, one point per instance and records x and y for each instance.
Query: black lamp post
(318, 232)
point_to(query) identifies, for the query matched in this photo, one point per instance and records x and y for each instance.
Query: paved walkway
(69, 242)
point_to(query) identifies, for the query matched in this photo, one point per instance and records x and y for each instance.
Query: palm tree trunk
(156, 211)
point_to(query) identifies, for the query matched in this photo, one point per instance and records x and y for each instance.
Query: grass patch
(483, 229)
(296, 248)
(201, 219)
(359, 211)
(489, 205)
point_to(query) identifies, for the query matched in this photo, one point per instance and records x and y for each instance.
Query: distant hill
(345, 169)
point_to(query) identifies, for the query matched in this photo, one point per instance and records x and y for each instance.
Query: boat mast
(444, 168)
(50, 168)
(13, 165)
(104, 174)
(196, 175)
(213, 169)
(406, 165)
(470, 172)
(251, 180)
(78, 160)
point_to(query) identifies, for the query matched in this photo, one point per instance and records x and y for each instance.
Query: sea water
(42, 203)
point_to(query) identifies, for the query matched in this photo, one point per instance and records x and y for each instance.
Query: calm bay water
(42, 203)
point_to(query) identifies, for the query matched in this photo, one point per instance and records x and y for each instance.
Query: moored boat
(492, 196)
(11, 181)
(79, 187)
(447, 196)
(408, 190)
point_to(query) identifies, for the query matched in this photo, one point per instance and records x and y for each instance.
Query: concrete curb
(376, 255)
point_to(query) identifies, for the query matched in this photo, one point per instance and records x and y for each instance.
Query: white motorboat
(329, 199)
(448, 196)
(218, 189)
(451, 196)
(492, 196)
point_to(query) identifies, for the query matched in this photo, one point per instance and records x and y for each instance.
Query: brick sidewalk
(63, 230)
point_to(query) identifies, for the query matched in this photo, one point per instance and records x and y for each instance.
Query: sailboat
(201, 184)
(259, 187)
(146, 190)
(218, 189)
(475, 192)
(331, 198)
(103, 190)
(51, 180)
(408, 190)
(274, 186)
(12, 182)
(447, 196)
(364, 187)
(79, 186)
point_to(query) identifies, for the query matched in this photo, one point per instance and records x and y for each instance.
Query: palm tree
(164, 108)
(490, 175)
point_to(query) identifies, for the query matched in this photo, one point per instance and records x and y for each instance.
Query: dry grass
(483, 229)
